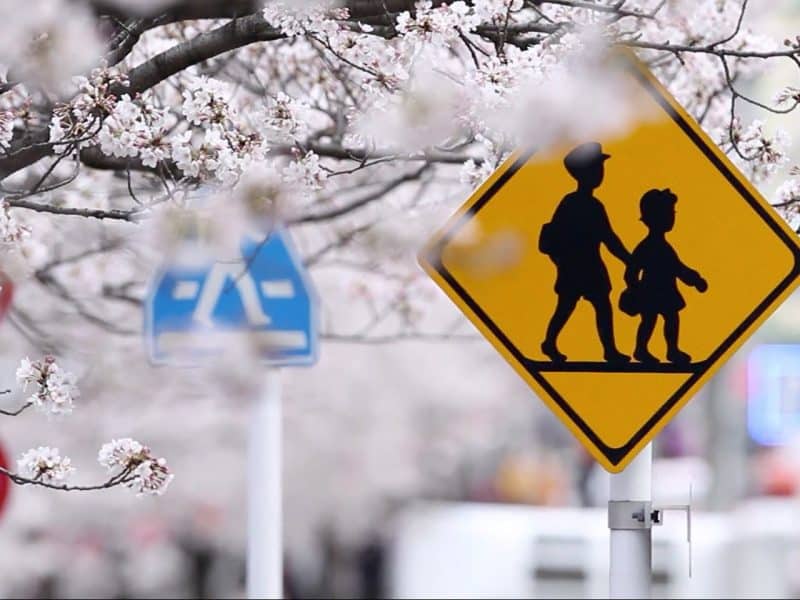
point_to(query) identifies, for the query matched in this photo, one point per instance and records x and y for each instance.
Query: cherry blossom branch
(363, 155)
(361, 9)
(232, 35)
(19, 411)
(94, 158)
(34, 143)
(130, 463)
(342, 240)
(615, 9)
(104, 247)
(736, 94)
(360, 202)
(736, 30)
(493, 33)
(38, 186)
(119, 293)
(95, 213)
(123, 478)
(52, 284)
(28, 328)
(385, 11)
(129, 35)
(793, 53)
(14, 413)
(178, 11)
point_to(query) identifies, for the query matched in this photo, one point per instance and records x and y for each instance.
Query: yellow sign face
(616, 275)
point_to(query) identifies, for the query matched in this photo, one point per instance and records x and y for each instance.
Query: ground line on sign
(606, 367)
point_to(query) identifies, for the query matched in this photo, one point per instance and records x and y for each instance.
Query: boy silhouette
(572, 240)
(652, 275)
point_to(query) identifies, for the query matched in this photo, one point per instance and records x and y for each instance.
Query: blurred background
(413, 469)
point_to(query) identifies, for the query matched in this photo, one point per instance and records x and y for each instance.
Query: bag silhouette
(549, 242)
(630, 301)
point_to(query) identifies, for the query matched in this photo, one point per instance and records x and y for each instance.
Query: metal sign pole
(264, 502)
(630, 521)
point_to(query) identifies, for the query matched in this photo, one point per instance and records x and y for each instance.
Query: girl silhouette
(652, 278)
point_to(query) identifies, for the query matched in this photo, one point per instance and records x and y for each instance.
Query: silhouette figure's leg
(605, 329)
(564, 308)
(671, 331)
(646, 326)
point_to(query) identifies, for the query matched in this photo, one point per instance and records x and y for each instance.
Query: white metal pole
(264, 502)
(631, 549)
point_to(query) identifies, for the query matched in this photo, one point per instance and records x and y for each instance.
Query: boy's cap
(654, 199)
(584, 155)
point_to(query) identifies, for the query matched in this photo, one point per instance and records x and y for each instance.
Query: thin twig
(120, 479)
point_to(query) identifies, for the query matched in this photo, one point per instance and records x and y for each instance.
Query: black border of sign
(616, 455)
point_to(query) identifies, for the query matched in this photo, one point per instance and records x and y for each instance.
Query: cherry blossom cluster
(759, 154)
(440, 25)
(6, 128)
(306, 173)
(206, 154)
(496, 11)
(80, 120)
(378, 65)
(788, 95)
(54, 388)
(300, 18)
(220, 146)
(787, 196)
(788, 193)
(45, 47)
(128, 462)
(148, 475)
(11, 230)
(474, 173)
(136, 129)
(701, 81)
(284, 119)
(46, 465)
(206, 101)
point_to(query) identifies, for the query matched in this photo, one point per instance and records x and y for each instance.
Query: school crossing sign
(617, 273)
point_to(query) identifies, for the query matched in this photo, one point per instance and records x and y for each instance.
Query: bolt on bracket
(626, 514)
(638, 515)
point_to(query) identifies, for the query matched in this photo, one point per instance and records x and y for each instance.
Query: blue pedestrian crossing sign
(193, 313)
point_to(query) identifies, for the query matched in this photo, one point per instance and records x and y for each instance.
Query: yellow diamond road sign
(616, 275)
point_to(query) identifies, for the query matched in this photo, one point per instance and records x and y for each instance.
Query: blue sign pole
(265, 491)
(194, 312)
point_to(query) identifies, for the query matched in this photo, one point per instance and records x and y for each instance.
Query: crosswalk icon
(194, 312)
